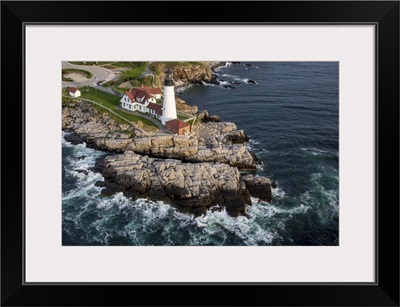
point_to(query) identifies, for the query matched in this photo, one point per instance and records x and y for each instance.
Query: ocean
(291, 114)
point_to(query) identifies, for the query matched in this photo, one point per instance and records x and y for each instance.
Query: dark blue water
(291, 116)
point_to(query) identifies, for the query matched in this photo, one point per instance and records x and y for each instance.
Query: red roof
(177, 124)
(72, 89)
(155, 107)
(135, 93)
(152, 90)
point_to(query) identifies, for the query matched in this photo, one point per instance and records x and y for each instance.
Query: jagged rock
(73, 138)
(82, 171)
(211, 118)
(214, 142)
(236, 137)
(191, 187)
(186, 74)
(182, 106)
(259, 187)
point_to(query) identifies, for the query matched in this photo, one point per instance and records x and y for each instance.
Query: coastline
(174, 168)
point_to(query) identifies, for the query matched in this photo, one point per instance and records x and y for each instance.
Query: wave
(182, 89)
(219, 68)
(319, 152)
(229, 76)
(222, 225)
(209, 84)
(92, 219)
(278, 193)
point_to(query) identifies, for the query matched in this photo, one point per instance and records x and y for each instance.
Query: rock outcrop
(259, 187)
(213, 142)
(181, 105)
(186, 73)
(206, 118)
(96, 128)
(191, 187)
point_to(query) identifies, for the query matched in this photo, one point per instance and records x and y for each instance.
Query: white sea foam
(219, 68)
(182, 89)
(220, 224)
(208, 84)
(260, 167)
(118, 199)
(278, 193)
(146, 217)
(229, 76)
(318, 152)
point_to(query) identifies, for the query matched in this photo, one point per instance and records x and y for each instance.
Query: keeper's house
(155, 110)
(137, 99)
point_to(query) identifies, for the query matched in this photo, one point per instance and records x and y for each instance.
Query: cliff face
(186, 74)
(182, 106)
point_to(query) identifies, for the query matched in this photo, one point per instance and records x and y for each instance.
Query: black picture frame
(383, 14)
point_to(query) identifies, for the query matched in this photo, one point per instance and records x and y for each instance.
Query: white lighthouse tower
(169, 107)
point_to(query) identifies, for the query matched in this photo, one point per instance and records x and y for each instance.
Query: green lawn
(129, 64)
(111, 101)
(183, 117)
(190, 122)
(134, 72)
(100, 97)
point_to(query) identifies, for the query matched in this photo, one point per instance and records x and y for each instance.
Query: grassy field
(132, 74)
(136, 69)
(99, 96)
(111, 101)
(183, 117)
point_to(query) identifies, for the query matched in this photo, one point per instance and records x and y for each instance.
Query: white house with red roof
(74, 92)
(137, 99)
(155, 91)
(155, 110)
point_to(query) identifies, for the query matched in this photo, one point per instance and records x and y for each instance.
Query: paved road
(107, 90)
(99, 74)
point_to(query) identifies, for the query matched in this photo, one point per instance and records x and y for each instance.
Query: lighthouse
(169, 107)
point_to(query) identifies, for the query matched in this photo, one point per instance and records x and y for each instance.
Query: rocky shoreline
(191, 187)
(197, 172)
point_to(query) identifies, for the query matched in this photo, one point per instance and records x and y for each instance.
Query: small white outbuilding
(74, 92)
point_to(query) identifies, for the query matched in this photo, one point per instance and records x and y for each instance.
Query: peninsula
(159, 147)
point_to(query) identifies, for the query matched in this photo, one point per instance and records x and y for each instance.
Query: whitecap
(183, 88)
(208, 84)
(318, 152)
(229, 76)
(278, 193)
